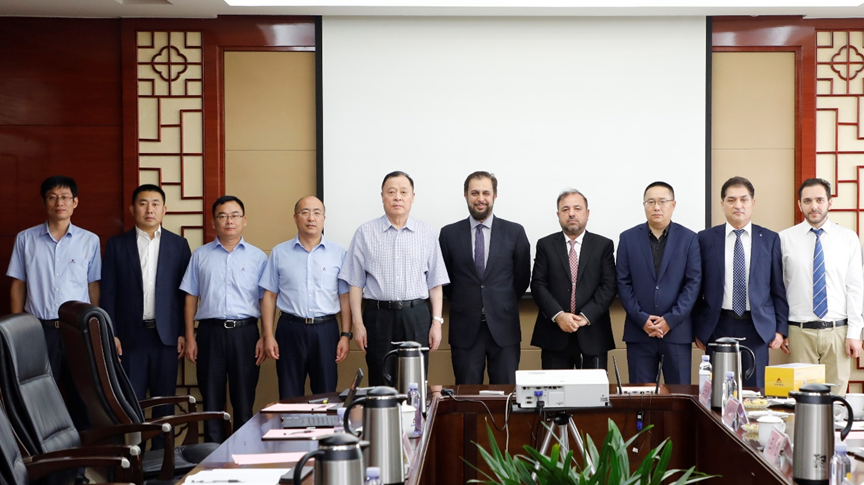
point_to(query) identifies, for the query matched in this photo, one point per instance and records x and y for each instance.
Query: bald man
(301, 279)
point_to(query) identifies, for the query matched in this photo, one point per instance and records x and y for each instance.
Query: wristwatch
(350, 335)
(439, 320)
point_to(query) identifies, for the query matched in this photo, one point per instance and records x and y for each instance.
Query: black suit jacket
(596, 287)
(122, 294)
(504, 281)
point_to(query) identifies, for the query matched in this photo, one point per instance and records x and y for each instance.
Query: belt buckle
(56, 323)
(230, 324)
(396, 305)
(309, 321)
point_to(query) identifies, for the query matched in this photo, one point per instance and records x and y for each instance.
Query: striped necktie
(574, 269)
(820, 291)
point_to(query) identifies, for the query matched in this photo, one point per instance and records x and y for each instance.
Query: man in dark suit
(659, 275)
(573, 284)
(141, 275)
(743, 294)
(489, 263)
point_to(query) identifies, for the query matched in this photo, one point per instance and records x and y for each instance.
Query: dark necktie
(574, 268)
(479, 249)
(820, 291)
(739, 276)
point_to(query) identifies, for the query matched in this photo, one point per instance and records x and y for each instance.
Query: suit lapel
(719, 249)
(757, 250)
(162, 256)
(671, 244)
(465, 242)
(134, 259)
(559, 242)
(494, 245)
(584, 255)
(645, 244)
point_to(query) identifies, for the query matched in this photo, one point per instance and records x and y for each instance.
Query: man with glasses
(301, 278)
(53, 263)
(223, 296)
(659, 273)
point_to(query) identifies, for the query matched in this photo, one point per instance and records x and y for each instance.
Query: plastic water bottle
(704, 371)
(841, 466)
(373, 476)
(340, 425)
(414, 400)
(730, 390)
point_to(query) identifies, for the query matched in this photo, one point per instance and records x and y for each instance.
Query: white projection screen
(604, 105)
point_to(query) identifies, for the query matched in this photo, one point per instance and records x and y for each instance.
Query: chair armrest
(162, 400)
(132, 453)
(147, 430)
(40, 468)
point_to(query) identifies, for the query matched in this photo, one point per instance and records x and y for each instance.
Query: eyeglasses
(224, 217)
(54, 198)
(660, 202)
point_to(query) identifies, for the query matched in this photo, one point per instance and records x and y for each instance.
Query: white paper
(247, 476)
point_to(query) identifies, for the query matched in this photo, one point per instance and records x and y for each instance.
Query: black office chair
(35, 407)
(89, 342)
(15, 470)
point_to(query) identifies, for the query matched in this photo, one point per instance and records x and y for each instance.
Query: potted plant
(611, 464)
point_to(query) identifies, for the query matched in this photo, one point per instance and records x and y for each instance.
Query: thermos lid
(813, 393)
(411, 348)
(338, 440)
(725, 344)
(815, 387)
(383, 397)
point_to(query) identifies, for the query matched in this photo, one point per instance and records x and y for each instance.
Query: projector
(573, 388)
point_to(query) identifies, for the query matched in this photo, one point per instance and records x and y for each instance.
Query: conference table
(446, 448)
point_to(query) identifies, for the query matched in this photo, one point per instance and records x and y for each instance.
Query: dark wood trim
(782, 34)
(319, 111)
(709, 72)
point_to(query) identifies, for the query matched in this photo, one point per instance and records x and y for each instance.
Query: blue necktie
(739, 276)
(479, 249)
(820, 292)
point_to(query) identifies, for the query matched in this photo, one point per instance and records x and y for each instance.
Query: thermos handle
(848, 427)
(345, 422)
(387, 377)
(298, 468)
(752, 366)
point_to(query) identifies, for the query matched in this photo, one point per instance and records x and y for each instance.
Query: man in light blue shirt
(301, 278)
(223, 277)
(53, 263)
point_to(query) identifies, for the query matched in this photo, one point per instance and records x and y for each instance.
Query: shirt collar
(486, 223)
(69, 232)
(826, 227)
(156, 235)
(410, 224)
(578, 238)
(748, 229)
(663, 234)
(296, 240)
(218, 243)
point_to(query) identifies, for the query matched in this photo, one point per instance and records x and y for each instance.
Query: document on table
(268, 458)
(297, 434)
(246, 476)
(298, 408)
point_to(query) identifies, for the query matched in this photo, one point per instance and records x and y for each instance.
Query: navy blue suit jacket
(670, 294)
(122, 293)
(765, 290)
(504, 281)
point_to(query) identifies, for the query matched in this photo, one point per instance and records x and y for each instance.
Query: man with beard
(574, 285)
(489, 263)
(824, 287)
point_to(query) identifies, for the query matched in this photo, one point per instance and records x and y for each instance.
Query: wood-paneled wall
(60, 114)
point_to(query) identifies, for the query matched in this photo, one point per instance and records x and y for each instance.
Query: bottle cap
(373, 472)
(705, 358)
(340, 412)
(729, 374)
(412, 385)
(840, 448)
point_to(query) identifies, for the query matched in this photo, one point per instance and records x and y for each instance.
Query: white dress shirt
(148, 254)
(747, 243)
(843, 274)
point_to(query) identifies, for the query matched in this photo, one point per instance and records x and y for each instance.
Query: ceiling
(213, 8)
